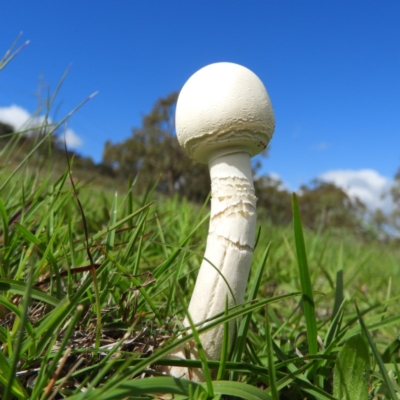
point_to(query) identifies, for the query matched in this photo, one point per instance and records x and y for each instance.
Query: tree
(274, 201)
(395, 194)
(153, 152)
(5, 129)
(395, 190)
(5, 133)
(323, 204)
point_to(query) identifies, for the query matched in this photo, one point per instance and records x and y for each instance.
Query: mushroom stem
(230, 245)
(230, 242)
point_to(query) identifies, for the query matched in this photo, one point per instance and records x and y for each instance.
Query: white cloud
(72, 139)
(275, 176)
(366, 184)
(20, 119)
(15, 116)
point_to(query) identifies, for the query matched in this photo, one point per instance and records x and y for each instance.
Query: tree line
(152, 155)
(153, 152)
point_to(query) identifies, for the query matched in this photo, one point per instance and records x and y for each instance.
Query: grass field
(94, 286)
(92, 296)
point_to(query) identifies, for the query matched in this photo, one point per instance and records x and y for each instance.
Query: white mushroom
(223, 118)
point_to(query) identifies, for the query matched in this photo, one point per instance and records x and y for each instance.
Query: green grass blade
(391, 350)
(129, 249)
(20, 336)
(16, 388)
(334, 327)
(4, 219)
(173, 386)
(18, 312)
(50, 369)
(385, 377)
(202, 355)
(140, 229)
(239, 389)
(45, 250)
(339, 291)
(122, 221)
(271, 366)
(113, 219)
(11, 53)
(141, 387)
(351, 373)
(167, 263)
(20, 288)
(141, 289)
(306, 288)
(236, 312)
(225, 346)
(371, 325)
(241, 336)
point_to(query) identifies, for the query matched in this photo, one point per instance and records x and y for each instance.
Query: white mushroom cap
(223, 108)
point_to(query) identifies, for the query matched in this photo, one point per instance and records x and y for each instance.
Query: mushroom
(223, 118)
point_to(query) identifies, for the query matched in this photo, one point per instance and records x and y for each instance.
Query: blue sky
(332, 70)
